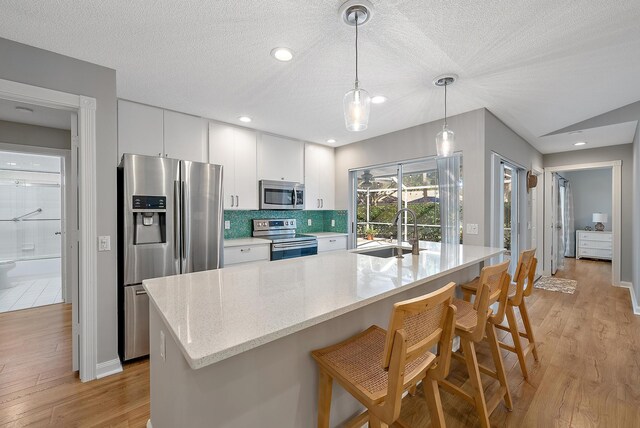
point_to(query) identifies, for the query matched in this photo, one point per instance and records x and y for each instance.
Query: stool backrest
(497, 279)
(415, 327)
(531, 278)
(523, 272)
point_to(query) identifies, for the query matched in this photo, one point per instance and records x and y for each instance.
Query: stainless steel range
(285, 242)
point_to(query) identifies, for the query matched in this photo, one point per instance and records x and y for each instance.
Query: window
(379, 192)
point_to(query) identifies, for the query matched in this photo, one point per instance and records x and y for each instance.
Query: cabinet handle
(318, 203)
(232, 200)
(237, 201)
(321, 203)
(160, 154)
(243, 250)
(332, 240)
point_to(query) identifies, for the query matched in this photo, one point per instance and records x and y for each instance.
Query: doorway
(31, 226)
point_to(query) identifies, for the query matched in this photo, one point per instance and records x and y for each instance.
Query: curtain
(568, 220)
(450, 189)
(559, 220)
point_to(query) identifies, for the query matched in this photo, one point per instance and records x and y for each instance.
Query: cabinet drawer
(332, 243)
(244, 254)
(602, 245)
(595, 236)
(597, 253)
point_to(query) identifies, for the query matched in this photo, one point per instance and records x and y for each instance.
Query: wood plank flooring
(588, 374)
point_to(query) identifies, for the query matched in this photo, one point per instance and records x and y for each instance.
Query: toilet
(5, 267)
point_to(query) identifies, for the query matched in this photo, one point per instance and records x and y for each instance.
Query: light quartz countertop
(241, 242)
(214, 315)
(325, 234)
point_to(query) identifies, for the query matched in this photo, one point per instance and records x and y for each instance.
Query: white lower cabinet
(246, 253)
(332, 243)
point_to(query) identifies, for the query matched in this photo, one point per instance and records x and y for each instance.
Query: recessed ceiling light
(575, 132)
(282, 54)
(331, 141)
(24, 109)
(580, 143)
(245, 119)
(378, 99)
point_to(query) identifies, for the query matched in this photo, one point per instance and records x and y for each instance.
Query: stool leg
(515, 334)
(376, 423)
(476, 382)
(325, 386)
(528, 329)
(432, 396)
(497, 359)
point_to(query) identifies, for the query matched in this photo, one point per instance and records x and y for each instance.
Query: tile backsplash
(241, 225)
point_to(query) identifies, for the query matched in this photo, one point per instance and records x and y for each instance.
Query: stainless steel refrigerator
(170, 219)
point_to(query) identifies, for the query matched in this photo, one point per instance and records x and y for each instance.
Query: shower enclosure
(30, 229)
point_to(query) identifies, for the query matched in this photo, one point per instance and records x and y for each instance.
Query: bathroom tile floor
(30, 292)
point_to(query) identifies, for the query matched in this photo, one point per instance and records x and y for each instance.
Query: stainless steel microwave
(281, 195)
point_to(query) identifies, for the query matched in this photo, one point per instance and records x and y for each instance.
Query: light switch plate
(333, 223)
(309, 222)
(104, 243)
(227, 225)
(472, 229)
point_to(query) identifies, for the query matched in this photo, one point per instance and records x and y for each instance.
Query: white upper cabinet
(185, 137)
(280, 159)
(235, 149)
(319, 177)
(140, 129)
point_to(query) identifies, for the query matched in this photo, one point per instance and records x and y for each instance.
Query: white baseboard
(108, 368)
(634, 300)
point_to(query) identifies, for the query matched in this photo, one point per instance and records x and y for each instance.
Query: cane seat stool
(518, 291)
(377, 366)
(475, 322)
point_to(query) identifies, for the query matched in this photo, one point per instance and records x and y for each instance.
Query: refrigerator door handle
(177, 220)
(183, 233)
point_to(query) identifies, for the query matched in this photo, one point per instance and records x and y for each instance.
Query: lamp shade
(600, 218)
(357, 104)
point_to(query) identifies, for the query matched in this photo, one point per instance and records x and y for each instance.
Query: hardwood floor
(38, 387)
(588, 374)
(589, 369)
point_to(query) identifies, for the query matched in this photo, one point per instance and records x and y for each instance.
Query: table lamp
(598, 219)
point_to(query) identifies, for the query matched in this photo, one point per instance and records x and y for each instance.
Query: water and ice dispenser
(149, 220)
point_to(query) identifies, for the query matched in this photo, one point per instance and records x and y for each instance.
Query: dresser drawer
(594, 236)
(332, 243)
(595, 253)
(244, 254)
(602, 245)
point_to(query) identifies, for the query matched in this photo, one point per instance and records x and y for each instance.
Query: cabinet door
(246, 180)
(327, 179)
(222, 152)
(280, 159)
(311, 177)
(183, 137)
(140, 129)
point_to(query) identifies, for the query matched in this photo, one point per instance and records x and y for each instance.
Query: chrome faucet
(415, 247)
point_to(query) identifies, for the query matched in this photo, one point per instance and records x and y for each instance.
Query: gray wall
(636, 214)
(624, 153)
(418, 142)
(26, 64)
(592, 193)
(31, 135)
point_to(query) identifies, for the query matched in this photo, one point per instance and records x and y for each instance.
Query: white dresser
(593, 245)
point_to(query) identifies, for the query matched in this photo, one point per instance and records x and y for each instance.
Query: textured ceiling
(610, 135)
(538, 65)
(41, 116)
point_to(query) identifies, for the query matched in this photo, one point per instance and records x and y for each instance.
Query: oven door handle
(294, 245)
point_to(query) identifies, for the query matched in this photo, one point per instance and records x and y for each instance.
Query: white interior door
(555, 196)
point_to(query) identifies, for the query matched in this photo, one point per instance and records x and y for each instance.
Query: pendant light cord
(356, 49)
(445, 103)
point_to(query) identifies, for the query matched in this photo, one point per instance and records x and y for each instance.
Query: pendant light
(445, 140)
(356, 102)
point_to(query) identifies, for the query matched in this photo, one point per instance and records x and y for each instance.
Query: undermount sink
(384, 253)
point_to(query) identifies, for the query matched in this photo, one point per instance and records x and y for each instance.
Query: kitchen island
(230, 347)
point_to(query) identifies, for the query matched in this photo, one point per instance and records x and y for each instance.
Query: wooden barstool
(377, 366)
(518, 290)
(473, 321)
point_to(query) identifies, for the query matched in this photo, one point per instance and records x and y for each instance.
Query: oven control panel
(275, 224)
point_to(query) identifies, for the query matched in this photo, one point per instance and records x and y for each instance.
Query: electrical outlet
(333, 223)
(472, 229)
(104, 243)
(227, 225)
(163, 346)
(309, 222)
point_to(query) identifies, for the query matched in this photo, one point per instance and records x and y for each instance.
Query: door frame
(85, 107)
(616, 212)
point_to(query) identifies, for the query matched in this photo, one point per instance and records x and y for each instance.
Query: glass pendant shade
(357, 105)
(445, 141)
